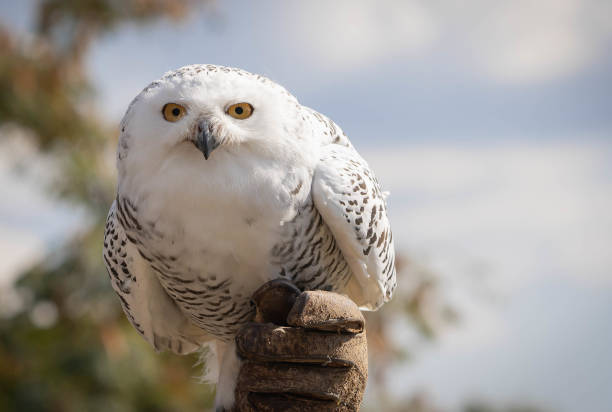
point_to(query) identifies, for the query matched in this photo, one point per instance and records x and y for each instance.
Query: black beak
(205, 141)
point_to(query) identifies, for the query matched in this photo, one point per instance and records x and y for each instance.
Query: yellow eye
(173, 112)
(240, 110)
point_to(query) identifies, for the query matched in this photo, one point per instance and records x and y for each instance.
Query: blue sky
(440, 89)
(491, 125)
(518, 234)
(459, 74)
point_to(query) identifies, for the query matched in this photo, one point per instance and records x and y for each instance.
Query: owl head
(209, 114)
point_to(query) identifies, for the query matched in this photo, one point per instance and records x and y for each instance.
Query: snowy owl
(225, 182)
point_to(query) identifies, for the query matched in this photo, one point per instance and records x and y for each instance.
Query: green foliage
(33, 77)
(80, 364)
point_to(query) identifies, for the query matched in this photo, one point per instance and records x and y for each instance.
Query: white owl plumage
(210, 206)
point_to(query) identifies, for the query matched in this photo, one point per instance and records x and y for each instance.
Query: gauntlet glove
(305, 351)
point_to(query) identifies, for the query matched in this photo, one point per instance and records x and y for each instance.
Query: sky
(490, 123)
(520, 235)
(419, 71)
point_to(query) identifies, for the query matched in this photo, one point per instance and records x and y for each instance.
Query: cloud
(522, 41)
(349, 34)
(531, 220)
(521, 209)
(511, 42)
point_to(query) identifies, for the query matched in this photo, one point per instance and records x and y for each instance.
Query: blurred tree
(70, 348)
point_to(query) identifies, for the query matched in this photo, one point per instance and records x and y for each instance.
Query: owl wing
(347, 195)
(145, 303)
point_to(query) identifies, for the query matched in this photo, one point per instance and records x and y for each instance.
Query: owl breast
(211, 250)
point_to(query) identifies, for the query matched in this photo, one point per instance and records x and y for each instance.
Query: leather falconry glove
(305, 351)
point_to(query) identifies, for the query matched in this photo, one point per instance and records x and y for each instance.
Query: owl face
(209, 109)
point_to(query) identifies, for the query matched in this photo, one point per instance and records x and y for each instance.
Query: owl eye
(173, 112)
(240, 110)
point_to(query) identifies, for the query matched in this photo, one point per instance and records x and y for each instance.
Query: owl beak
(205, 140)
